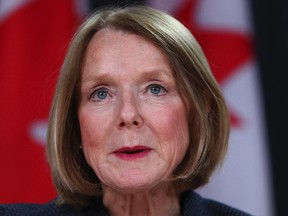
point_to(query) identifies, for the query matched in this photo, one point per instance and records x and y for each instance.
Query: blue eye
(156, 89)
(100, 94)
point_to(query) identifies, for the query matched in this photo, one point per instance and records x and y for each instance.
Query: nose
(129, 113)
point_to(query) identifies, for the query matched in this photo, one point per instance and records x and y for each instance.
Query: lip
(132, 153)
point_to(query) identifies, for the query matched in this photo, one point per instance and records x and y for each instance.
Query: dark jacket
(192, 204)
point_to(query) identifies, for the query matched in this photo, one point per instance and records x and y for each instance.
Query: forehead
(111, 50)
(118, 42)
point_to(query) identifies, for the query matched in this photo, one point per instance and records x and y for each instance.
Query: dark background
(271, 41)
(270, 20)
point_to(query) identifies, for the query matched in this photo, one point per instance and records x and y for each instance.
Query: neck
(160, 201)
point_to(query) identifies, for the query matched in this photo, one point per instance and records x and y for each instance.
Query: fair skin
(133, 123)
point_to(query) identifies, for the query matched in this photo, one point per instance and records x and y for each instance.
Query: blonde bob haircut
(75, 182)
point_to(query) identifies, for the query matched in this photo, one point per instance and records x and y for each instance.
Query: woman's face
(133, 120)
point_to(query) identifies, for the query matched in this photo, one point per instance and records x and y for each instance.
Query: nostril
(128, 124)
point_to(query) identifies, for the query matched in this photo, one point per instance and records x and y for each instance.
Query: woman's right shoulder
(51, 209)
(30, 209)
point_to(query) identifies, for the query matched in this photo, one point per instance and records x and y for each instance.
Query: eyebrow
(94, 80)
(100, 77)
(150, 74)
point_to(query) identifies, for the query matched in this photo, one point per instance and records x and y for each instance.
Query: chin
(135, 182)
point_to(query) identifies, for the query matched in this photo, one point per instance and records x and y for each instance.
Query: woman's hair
(75, 181)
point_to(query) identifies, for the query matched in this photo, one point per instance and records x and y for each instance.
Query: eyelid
(157, 85)
(97, 89)
(163, 88)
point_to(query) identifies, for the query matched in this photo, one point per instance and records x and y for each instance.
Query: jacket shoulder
(49, 209)
(194, 204)
(27, 209)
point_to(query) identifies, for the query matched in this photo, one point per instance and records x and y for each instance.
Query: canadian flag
(223, 29)
(34, 35)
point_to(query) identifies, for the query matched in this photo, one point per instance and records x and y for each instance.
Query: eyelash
(99, 90)
(162, 89)
(94, 95)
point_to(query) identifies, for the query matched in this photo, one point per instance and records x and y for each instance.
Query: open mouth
(132, 153)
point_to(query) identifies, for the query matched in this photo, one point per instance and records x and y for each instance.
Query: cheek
(89, 130)
(92, 137)
(174, 133)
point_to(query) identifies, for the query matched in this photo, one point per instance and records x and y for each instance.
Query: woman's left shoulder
(194, 204)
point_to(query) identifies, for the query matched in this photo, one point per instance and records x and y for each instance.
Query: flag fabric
(34, 35)
(223, 29)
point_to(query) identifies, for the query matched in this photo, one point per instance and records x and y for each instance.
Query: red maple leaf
(225, 50)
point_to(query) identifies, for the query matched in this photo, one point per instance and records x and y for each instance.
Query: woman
(137, 122)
